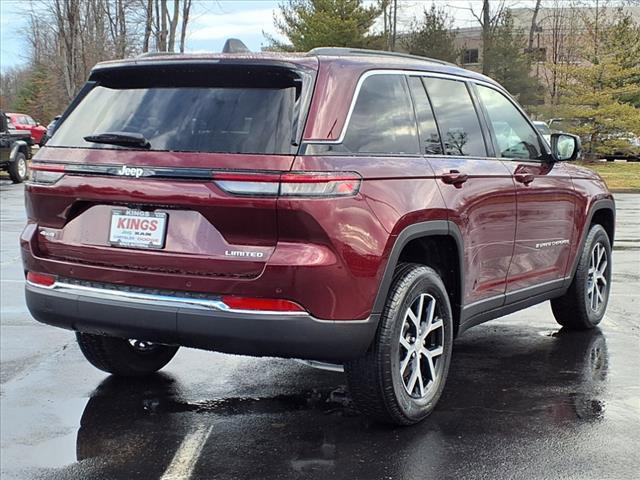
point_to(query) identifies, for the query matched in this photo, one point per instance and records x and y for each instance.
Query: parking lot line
(184, 461)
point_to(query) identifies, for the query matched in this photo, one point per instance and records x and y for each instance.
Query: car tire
(584, 304)
(19, 169)
(124, 357)
(384, 384)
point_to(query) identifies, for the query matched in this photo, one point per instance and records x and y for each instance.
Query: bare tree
(148, 24)
(534, 25)
(173, 25)
(488, 21)
(186, 9)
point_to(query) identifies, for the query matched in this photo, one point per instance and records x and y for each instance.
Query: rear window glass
(212, 113)
(382, 121)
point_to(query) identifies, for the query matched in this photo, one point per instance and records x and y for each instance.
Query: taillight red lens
(43, 279)
(320, 184)
(46, 173)
(261, 304)
(48, 167)
(300, 184)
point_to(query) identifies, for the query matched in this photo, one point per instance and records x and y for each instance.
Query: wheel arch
(601, 212)
(19, 146)
(437, 244)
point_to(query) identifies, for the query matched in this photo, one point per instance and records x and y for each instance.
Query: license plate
(137, 229)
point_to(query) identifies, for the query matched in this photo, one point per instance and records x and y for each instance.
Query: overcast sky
(213, 21)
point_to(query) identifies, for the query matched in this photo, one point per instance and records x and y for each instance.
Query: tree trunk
(147, 25)
(186, 9)
(486, 37)
(173, 25)
(122, 30)
(534, 25)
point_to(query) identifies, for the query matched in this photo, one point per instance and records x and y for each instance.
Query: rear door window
(457, 117)
(382, 121)
(192, 111)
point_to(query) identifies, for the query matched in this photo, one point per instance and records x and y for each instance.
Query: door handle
(454, 177)
(525, 178)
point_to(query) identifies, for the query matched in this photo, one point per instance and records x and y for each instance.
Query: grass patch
(620, 176)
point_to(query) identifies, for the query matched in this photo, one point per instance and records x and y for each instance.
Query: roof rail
(346, 52)
(156, 54)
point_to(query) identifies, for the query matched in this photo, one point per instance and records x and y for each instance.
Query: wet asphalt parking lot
(524, 400)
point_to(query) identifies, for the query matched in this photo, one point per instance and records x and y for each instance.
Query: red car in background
(21, 121)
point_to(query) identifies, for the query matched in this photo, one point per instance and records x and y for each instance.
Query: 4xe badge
(131, 171)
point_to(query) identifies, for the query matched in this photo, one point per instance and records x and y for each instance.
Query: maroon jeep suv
(342, 206)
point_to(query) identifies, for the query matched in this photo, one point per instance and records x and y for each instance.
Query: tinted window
(456, 117)
(429, 135)
(190, 112)
(382, 120)
(515, 136)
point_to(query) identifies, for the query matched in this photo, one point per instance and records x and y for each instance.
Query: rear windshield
(224, 111)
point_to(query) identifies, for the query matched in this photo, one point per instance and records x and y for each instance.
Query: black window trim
(314, 146)
(435, 120)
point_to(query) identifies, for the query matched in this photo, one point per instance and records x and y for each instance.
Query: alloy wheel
(421, 347)
(597, 283)
(22, 167)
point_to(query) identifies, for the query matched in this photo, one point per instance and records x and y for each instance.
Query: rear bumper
(198, 323)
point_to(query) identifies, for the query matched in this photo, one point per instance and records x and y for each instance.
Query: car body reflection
(554, 380)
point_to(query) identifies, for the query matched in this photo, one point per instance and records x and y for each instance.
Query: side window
(515, 137)
(457, 117)
(382, 120)
(429, 134)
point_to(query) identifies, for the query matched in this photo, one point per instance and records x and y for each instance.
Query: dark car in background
(345, 206)
(15, 150)
(25, 122)
(50, 129)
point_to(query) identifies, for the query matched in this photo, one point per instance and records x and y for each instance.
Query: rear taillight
(42, 279)
(293, 184)
(261, 304)
(46, 173)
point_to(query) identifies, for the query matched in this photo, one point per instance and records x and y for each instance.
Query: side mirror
(565, 147)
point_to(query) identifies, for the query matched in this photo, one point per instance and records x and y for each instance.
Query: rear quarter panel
(395, 193)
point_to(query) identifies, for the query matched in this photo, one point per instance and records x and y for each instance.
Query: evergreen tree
(308, 24)
(434, 36)
(509, 64)
(603, 91)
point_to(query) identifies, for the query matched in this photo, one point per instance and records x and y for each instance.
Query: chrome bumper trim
(156, 299)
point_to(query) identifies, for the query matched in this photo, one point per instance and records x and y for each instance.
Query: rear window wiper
(123, 139)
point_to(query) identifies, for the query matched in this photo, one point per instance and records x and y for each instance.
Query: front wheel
(124, 357)
(402, 376)
(585, 303)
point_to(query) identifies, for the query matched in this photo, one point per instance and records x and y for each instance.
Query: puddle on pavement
(54, 439)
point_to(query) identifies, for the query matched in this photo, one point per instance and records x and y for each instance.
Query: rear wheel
(18, 169)
(124, 357)
(401, 378)
(585, 303)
